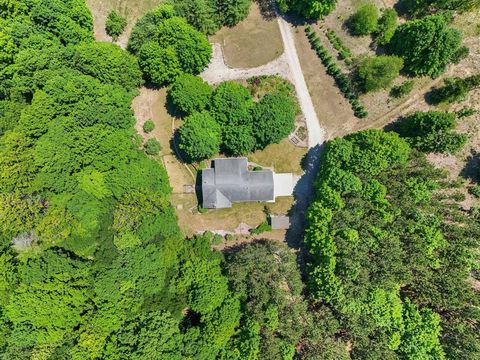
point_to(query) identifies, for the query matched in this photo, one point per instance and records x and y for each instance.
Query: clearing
(253, 42)
(131, 9)
(336, 116)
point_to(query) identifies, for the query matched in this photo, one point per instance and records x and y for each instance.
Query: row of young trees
(227, 118)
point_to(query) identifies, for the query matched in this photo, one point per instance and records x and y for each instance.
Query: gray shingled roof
(230, 181)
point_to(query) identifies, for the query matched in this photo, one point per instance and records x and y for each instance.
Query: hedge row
(337, 43)
(343, 81)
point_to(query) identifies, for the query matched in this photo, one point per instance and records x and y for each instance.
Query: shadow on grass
(471, 170)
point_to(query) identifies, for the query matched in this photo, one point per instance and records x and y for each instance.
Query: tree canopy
(244, 124)
(365, 20)
(432, 132)
(168, 46)
(92, 262)
(377, 234)
(311, 9)
(427, 45)
(190, 94)
(378, 72)
(208, 16)
(200, 136)
(115, 24)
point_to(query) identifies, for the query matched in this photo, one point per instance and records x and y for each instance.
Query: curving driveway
(286, 66)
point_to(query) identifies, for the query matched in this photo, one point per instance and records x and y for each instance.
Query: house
(229, 181)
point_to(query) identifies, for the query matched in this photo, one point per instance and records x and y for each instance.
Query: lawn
(283, 157)
(252, 214)
(253, 42)
(151, 104)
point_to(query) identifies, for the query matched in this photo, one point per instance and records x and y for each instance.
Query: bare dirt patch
(253, 42)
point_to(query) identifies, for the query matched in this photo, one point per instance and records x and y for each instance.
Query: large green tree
(199, 137)
(383, 252)
(311, 9)
(431, 131)
(231, 103)
(266, 278)
(426, 45)
(378, 72)
(364, 21)
(167, 46)
(190, 93)
(273, 118)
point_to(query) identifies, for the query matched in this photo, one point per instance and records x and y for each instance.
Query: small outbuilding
(280, 222)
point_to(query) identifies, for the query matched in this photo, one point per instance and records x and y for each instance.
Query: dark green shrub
(343, 52)
(475, 191)
(432, 132)
(466, 112)
(364, 21)
(115, 24)
(455, 89)
(343, 82)
(378, 72)
(458, 196)
(152, 147)
(148, 126)
(461, 54)
(263, 227)
(386, 26)
(402, 90)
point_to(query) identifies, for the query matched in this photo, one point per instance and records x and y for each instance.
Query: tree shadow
(471, 170)
(180, 155)
(268, 9)
(304, 194)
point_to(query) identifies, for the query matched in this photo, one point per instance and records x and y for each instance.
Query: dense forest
(93, 264)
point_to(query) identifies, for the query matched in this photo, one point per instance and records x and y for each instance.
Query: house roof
(229, 180)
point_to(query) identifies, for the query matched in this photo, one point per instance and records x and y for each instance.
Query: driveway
(286, 66)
